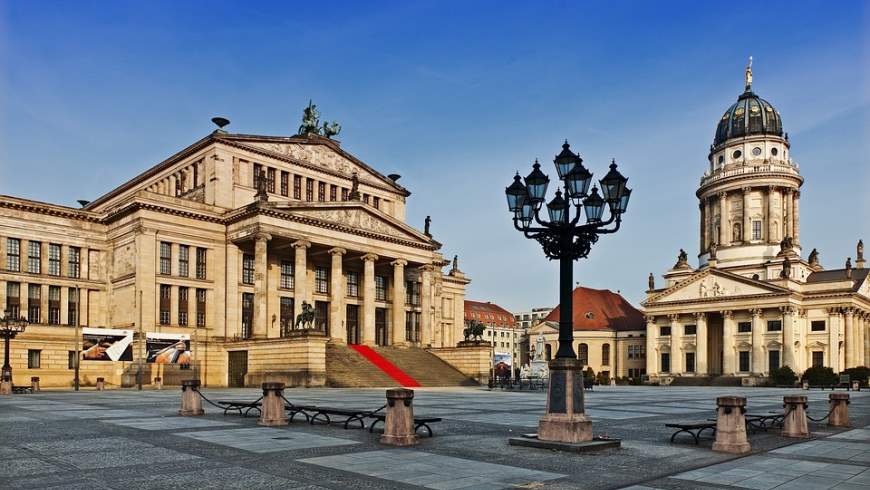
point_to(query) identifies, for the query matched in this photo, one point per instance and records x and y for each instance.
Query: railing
(750, 169)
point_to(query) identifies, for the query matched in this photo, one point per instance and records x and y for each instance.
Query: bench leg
(423, 424)
(373, 424)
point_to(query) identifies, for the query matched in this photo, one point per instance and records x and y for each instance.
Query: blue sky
(455, 97)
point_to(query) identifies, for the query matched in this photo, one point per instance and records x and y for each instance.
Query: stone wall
(472, 361)
(297, 361)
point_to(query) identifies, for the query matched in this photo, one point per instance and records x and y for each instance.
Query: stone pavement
(130, 439)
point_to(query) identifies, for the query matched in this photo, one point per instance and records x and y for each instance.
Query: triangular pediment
(713, 284)
(356, 216)
(544, 328)
(864, 289)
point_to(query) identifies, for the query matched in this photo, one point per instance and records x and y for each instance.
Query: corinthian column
(834, 339)
(336, 296)
(301, 288)
(728, 335)
(701, 344)
(747, 219)
(398, 311)
(787, 198)
(702, 228)
(652, 333)
(723, 219)
(426, 305)
(261, 264)
(851, 338)
(771, 215)
(368, 328)
(788, 337)
(676, 351)
(796, 217)
(757, 347)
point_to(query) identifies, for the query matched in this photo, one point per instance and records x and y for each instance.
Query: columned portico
(368, 324)
(337, 292)
(398, 323)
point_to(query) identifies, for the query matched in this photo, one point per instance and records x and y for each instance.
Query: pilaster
(652, 362)
(146, 269)
(723, 220)
(757, 342)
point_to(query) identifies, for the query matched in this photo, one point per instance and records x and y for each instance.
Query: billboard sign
(107, 344)
(167, 348)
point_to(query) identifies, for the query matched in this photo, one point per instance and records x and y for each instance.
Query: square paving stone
(62, 446)
(215, 478)
(99, 414)
(265, 439)
(122, 456)
(25, 467)
(168, 423)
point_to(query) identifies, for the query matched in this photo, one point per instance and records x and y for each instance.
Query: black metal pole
(566, 303)
(7, 368)
(78, 354)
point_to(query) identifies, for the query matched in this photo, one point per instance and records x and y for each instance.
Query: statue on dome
(786, 269)
(426, 225)
(713, 249)
(749, 75)
(354, 188)
(682, 260)
(849, 267)
(786, 245)
(860, 250)
(814, 257)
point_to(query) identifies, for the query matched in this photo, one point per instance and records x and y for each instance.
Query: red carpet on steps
(386, 366)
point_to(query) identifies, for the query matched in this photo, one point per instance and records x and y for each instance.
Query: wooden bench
(694, 429)
(418, 422)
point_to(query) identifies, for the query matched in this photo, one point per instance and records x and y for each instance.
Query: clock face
(756, 151)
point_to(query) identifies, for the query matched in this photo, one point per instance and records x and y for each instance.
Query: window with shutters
(183, 260)
(321, 191)
(34, 358)
(248, 269)
(380, 288)
(72, 313)
(344, 194)
(285, 183)
(270, 180)
(286, 274)
(286, 312)
(13, 299)
(200, 307)
(333, 192)
(74, 262)
(165, 258)
(321, 280)
(34, 298)
(605, 355)
(309, 189)
(352, 279)
(412, 293)
(201, 262)
(297, 187)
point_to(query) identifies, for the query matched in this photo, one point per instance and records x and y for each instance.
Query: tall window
(74, 262)
(297, 187)
(321, 315)
(53, 259)
(54, 305)
(412, 326)
(258, 173)
(744, 327)
(321, 280)
(666, 362)
(165, 305)
(72, 313)
(756, 230)
(773, 359)
(13, 254)
(33, 358)
(13, 299)
(165, 258)
(247, 314)
(321, 191)
(743, 361)
(201, 262)
(344, 193)
(286, 315)
(412, 293)
(818, 358)
(34, 255)
(690, 329)
(817, 326)
(285, 183)
(605, 355)
(690, 362)
(183, 301)
(200, 307)
(665, 331)
(183, 260)
(376, 202)
(380, 288)
(248, 269)
(333, 192)
(34, 298)
(286, 274)
(270, 180)
(583, 354)
(309, 189)
(352, 284)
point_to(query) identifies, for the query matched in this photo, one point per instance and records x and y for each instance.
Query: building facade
(228, 241)
(528, 319)
(501, 330)
(754, 303)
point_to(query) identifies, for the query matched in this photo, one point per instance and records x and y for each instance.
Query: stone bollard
(839, 405)
(272, 411)
(101, 384)
(399, 421)
(191, 403)
(34, 384)
(158, 383)
(731, 425)
(795, 422)
(856, 386)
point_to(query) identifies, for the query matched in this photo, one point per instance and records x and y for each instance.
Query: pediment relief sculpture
(359, 219)
(318, 155)
(711, 286)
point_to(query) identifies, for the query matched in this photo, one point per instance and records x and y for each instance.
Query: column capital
(797, 193)
(747, 190)
(727, 314)
(674, 317)
(723, 195)
(650, 319)
(427, 268)
(261, 236)
(833, 310)
(369, 257)
(849, 311)
(756, 312)
(337, 251)
(700, 315)
(399, 263)
(788, 190)
(788, 310)
(302, 244)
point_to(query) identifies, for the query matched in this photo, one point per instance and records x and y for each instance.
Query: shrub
(589, 376)
(820, 376)
(860, 374)
(602, 379)
(783, 376)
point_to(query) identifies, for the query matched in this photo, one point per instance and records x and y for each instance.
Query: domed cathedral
(754, 303)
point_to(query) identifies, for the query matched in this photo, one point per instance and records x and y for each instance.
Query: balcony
(740, 170)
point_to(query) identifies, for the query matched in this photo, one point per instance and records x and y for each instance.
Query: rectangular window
(200, 307)
(201, 262)
(321, 191)
(285, 183)
(165, 258)
(74, 262)
(247, 314)
(665, 331)
(333, 192)
(352, 284)
(817, 326)
(309, 189)
(247, 269)
(165, 302)
(412, 293)
(666, 362)
(744, 327)
(690, 362)
(286, 312)
(412, 326)
(774, 325)
(344, 193)
(54, 305)
(297, 187)
(270, 180)
(258, 171)
(690, 329)
(380, 288)
(34, 298)
(196, 173)
(33, 358)
(366, 198)
(13, 254)
(321, 280)
(773, 359)
(286, 274)
(743, 361)
(13, 299)
(321, 315)
(34, 256)
(72, 313)
(756, 230)
(53, 259)
(183, 260)
(818, 358)
(376, 202)
(183, 301)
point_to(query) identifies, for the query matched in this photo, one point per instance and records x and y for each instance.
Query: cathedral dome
(748, 116)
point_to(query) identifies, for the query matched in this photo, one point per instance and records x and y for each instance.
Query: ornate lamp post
(564, 238)
(9, 328)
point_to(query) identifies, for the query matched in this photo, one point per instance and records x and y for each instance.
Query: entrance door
(381, 326)
(714, 343)
(238, 367)
(352, 323)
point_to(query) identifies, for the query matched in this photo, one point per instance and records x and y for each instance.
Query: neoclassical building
(225, 241)
(754, 303)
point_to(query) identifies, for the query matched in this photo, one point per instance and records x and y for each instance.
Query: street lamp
(564, 238)
(9, 328)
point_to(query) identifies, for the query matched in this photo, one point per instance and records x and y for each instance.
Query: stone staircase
(427, 369)
(346, 368)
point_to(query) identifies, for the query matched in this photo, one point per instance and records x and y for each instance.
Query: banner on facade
(168, 348)
(107, 344)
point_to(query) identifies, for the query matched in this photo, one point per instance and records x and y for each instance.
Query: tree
(783, 376)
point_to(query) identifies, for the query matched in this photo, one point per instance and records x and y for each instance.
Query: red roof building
(491, 314)
(600, 309)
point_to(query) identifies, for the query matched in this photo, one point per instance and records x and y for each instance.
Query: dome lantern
(750, 115)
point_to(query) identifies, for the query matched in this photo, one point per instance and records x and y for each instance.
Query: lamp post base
(5, 387)
(565, 420)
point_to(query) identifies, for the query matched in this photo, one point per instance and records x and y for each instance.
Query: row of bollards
(731, 419)
(399, 427)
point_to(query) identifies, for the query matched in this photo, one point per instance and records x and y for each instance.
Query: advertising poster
(168, 348)
(107, 344)
(502, 363)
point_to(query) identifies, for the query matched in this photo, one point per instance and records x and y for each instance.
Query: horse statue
(310, 120)
(306, 318)
(474, 331)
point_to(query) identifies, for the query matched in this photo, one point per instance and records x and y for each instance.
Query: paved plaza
(136, 440)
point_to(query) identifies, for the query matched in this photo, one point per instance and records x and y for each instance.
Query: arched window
(605, 355)
(584, 354)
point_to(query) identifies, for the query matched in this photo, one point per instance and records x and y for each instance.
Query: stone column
(795, 422)
(399, 420)
(728, 333)
(796, 217)
(301, 288)
(864, 333)
(851, 340)
(708, 218)
(368, 324)
(861, 341)
(426, 305)
(731, 425)
(337, 330)
(771, 215)
(747, 219)
(757, 342)
(788, 337)
(261, 285)
(676, 351)
(838, 405)
(701, 344)
(724, 239)
(398, 310)
(652, 361)
(702, 228)
(787, 198)
(834, 339)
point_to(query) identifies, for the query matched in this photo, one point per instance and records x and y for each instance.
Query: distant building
(501, 329)
(528, 319)
(609, 333)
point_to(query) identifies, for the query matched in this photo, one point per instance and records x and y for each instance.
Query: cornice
(37, 207)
